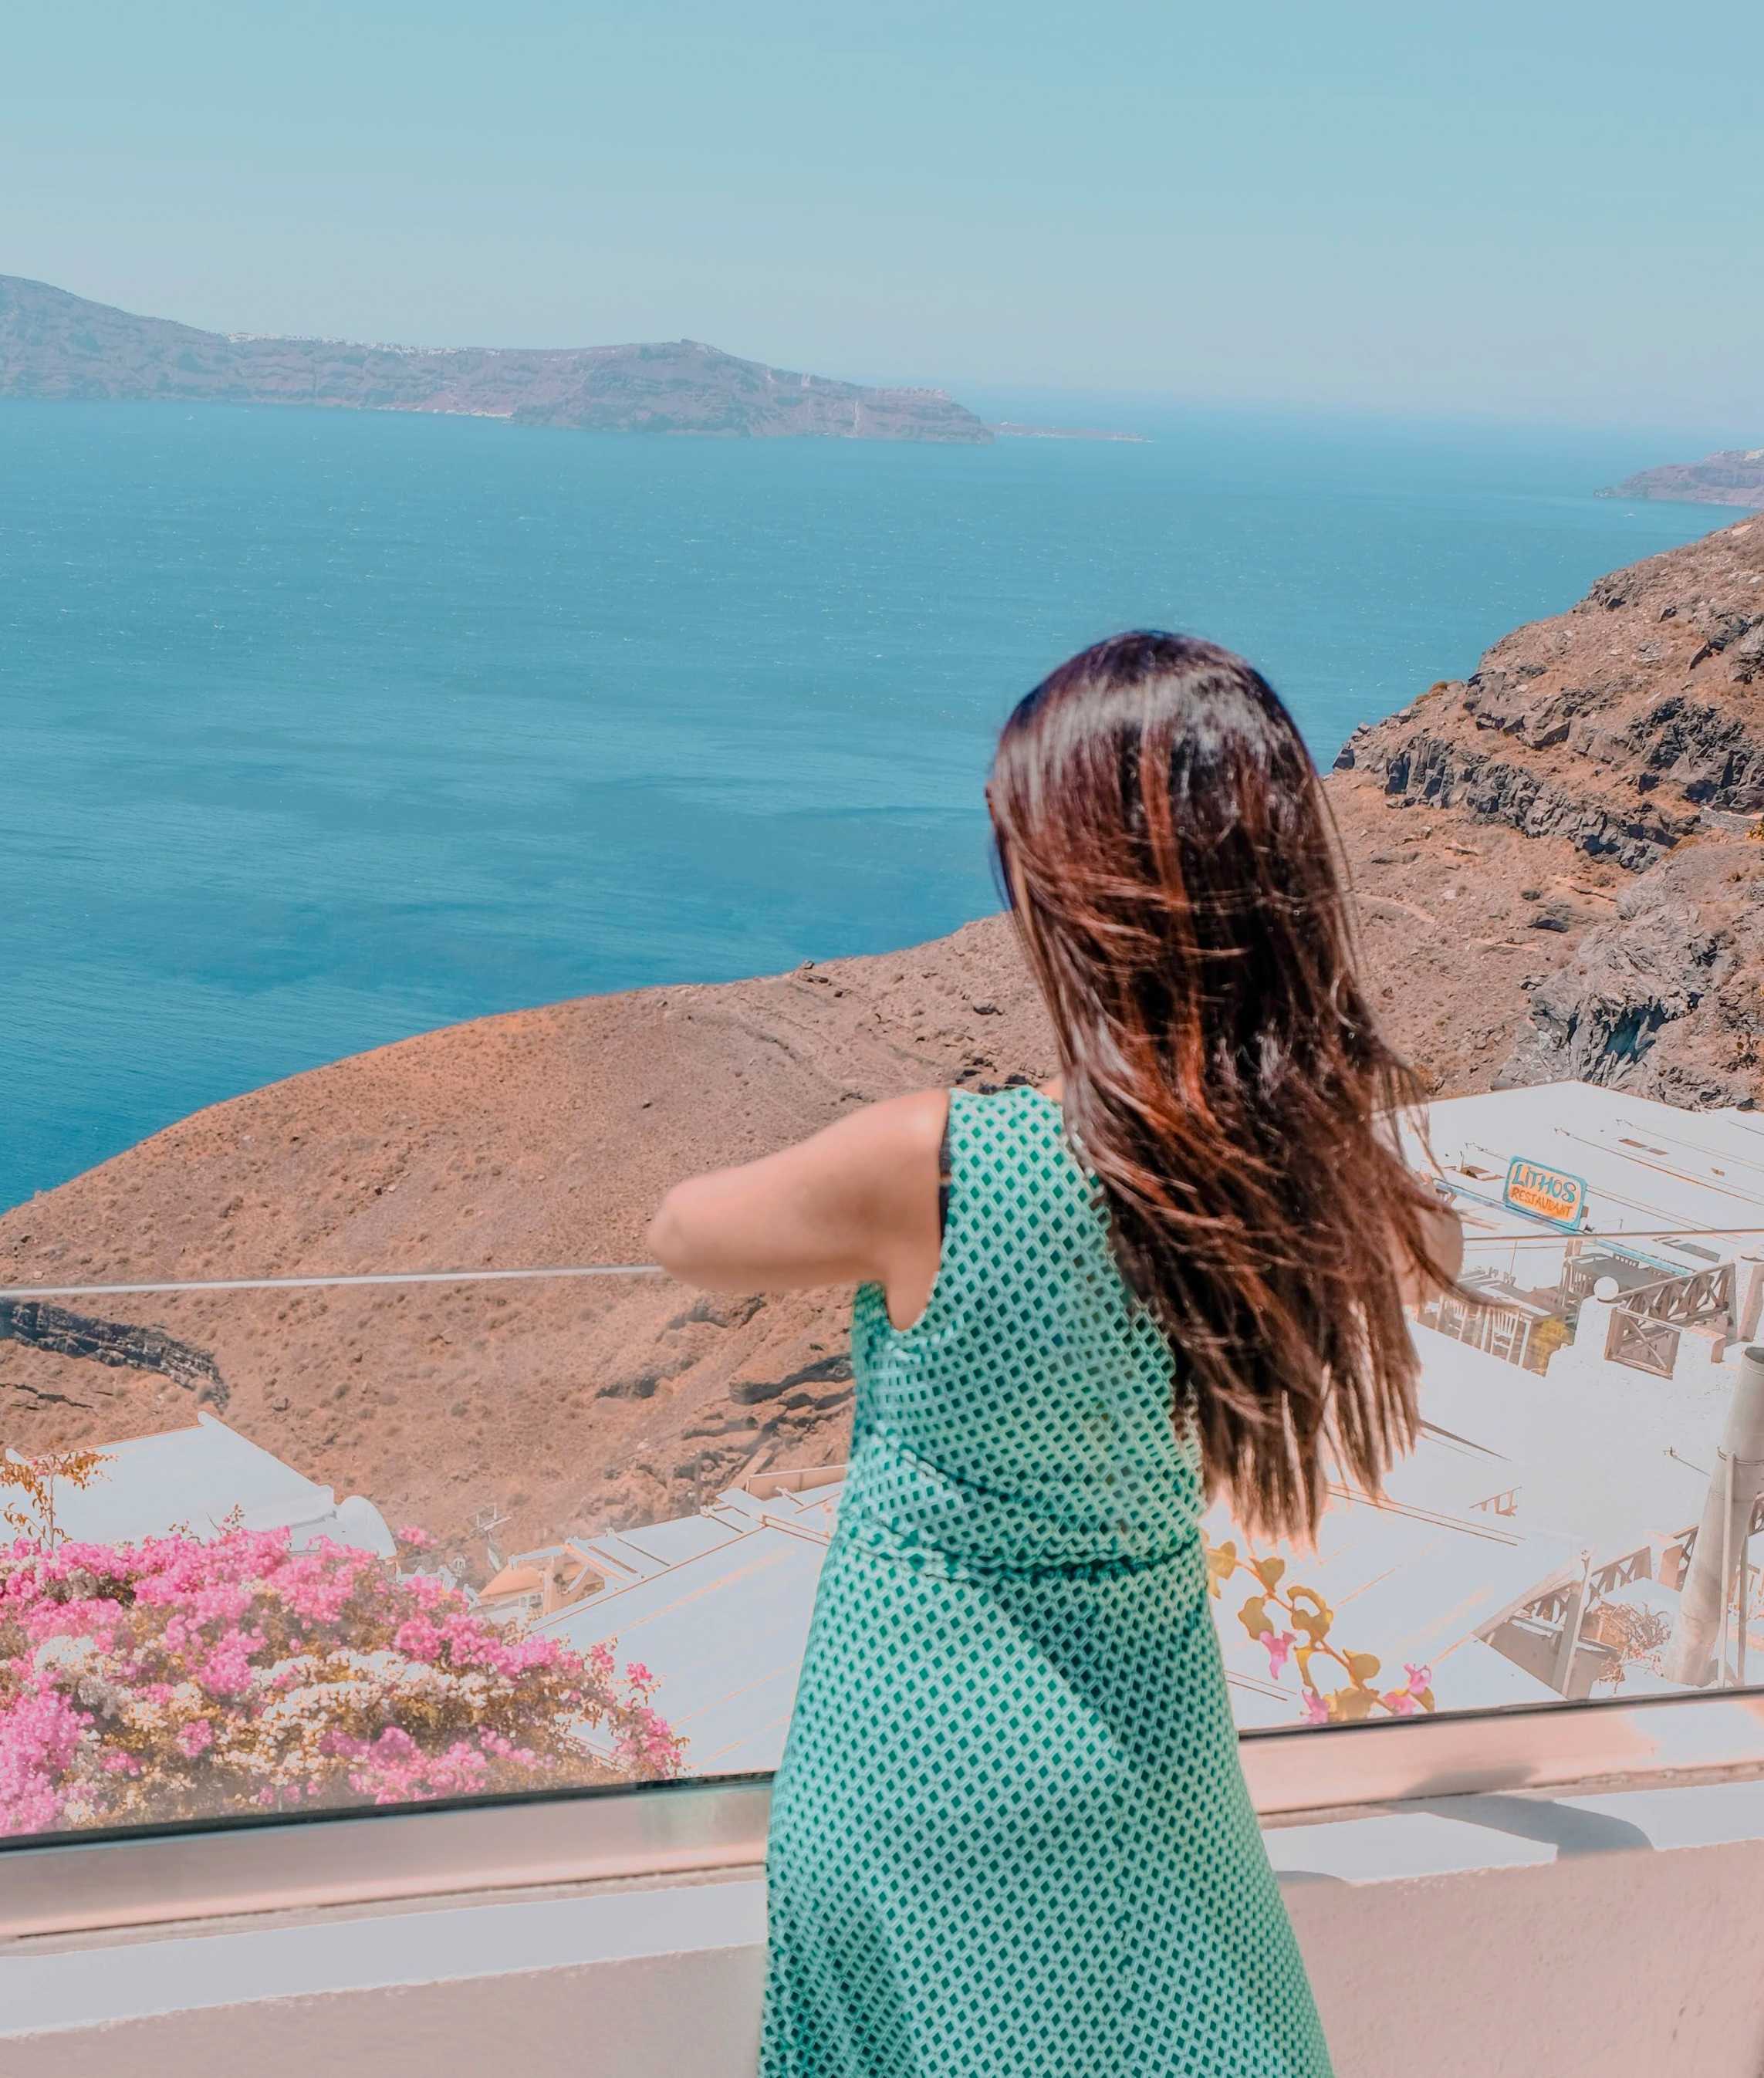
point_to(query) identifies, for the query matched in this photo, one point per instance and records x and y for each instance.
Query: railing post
(1573, 1616)
(1748, 1300)
(1726, 1522)
(1593, 1330)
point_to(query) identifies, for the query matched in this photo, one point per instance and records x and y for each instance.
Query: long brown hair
(1171, 864)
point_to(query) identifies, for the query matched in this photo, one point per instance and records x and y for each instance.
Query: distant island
(56, 345)
(1733, 476)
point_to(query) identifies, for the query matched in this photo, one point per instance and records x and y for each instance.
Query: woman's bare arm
(856, 1203)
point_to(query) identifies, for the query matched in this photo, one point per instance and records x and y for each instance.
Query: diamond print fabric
(1010, 1836)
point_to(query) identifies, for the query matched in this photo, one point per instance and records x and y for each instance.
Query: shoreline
(1006, 430)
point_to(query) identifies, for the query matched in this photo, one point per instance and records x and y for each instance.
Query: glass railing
(302, 1546)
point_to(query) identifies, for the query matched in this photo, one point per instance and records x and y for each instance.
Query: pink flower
(1315, 1707)
(1279, 1645)
(227, 1671)
(419, 1638)
(195, 1737)
(1420, 1678)
(40, 1735)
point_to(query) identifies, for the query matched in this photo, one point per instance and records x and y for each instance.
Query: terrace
(1544, 1856)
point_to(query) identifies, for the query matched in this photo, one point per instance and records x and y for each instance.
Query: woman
(1010, 1835)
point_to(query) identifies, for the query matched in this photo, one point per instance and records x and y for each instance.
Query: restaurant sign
(1547, 1194)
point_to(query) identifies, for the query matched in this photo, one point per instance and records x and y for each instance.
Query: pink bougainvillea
(179, 1679)
(1279, 1644)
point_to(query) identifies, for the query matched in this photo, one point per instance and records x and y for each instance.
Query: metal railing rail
(326, 1284)
(318, 1282)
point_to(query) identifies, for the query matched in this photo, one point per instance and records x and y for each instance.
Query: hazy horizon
(1540, 217)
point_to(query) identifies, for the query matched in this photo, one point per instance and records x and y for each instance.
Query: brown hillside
(542, 1137)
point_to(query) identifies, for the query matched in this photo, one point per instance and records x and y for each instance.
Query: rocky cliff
(1557, 874)
(1733, 476)
(1559, 857)
(34, 1326)
(56, 345)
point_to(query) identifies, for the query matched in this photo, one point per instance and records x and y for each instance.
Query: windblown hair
(1171, 865)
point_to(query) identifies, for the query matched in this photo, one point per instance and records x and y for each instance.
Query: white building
(201, 1479)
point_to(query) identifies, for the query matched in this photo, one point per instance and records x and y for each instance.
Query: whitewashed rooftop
(1597, 1452)
(723, 1624)
(200, 1478)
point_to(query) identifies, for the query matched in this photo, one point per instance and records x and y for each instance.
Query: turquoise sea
(319, 729)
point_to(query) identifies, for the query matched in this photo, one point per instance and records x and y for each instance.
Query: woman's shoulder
(908, 1139)
(901, 1127)
(891, 1154)
(993, 1108)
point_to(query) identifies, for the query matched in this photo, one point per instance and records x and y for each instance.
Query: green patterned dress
(1010, 1836)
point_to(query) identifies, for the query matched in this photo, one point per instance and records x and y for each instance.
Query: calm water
(321, 728)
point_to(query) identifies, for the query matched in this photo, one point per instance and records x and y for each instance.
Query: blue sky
(1549, 210)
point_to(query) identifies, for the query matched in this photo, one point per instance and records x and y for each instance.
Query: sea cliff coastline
(1557, 874)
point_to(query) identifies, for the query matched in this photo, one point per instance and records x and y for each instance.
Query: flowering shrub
(181, 1678)
(1346, 1701)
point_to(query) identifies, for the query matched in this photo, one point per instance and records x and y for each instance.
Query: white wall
(1480, 1938)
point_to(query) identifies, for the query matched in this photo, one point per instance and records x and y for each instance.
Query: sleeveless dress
(1010, 1836)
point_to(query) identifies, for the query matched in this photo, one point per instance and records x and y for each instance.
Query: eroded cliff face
(1622, 745)
(56, 1331)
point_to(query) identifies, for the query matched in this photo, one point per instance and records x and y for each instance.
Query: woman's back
(1026, 1417)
